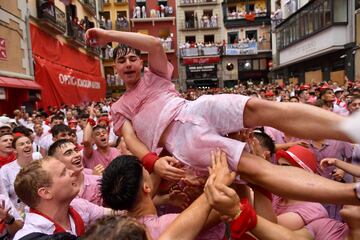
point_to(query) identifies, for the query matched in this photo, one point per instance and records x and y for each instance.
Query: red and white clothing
(34, 222)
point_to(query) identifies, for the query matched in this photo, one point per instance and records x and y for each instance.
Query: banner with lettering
(66, 85)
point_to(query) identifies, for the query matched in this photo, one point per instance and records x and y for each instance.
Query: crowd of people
(263, 161)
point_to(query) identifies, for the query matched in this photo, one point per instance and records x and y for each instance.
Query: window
(189, 19)
(357, 4)
(208, 13)
(256, 64)
(233, 37)
(245, 65)
(162, 2)
(209, 38)
(309, 20)
(252, 34)
(250, 7)
(190, 39)
(231, 9)
(120, 14)
(340, 10)
(263, 64)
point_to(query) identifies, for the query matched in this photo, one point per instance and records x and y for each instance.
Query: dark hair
(24, 130)
(57, 117)
(98, 127)
(353, 98)
(294, 98)
(60, 128)
(319, 103)
(116, 227)
(83, 116)
(265, 141)
(56, 145)
(323, 91)
(120, 183)
(122, 50)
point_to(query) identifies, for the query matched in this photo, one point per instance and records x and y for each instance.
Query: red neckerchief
(8, 159)
(79, 223)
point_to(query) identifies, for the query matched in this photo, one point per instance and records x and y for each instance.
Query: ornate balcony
(194, 3)
(51, 16)
(89, 5)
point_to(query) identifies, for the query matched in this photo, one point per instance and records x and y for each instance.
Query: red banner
(66, 75)
(203, 60)
(66, 85)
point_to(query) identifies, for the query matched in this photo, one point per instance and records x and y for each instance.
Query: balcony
(89, 5)
(152, 19)
(121, 2)
(234, 19)
(93, 50)
(51, 16)
(122, 24)
(200, 51)
(105, 24)
(194, 3)
(191, 25)
(241, 49)
(76, 34)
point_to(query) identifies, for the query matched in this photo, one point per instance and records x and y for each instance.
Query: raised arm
(157, 57)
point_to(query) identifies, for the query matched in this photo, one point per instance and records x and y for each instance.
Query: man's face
(354, 106)
(101, 138)
(5, 144)
(129, 68)
(38, 129)
(62, 135)
(64, 186)
(69, 155)
(328, 96)
(82, 122)
(38, 120)
(23, 147)
(57, 122)
(4, 130)
(69, 115)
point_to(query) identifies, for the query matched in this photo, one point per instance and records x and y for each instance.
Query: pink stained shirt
(100, 158)
(91, 189)
(154, 100)
(157, 225)
(327, 228)
(308, 211)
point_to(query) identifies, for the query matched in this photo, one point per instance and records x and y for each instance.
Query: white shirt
(46, 142)
(7, 175)
(12, 212)
(89, 213)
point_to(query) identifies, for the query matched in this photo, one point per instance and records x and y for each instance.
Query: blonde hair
(30, 179)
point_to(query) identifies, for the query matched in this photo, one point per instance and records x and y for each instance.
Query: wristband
(149, 161)
(261, 190)
(245, 221)
(91, 122)
(10, 221)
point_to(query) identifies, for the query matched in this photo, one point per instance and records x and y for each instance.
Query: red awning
(18, 83)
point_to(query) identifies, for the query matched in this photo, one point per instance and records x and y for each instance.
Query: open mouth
(27, 150)
(129, 72)
(77, 162)
(103, 140)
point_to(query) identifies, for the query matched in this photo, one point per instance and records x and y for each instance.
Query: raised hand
(327, 162)
(220, 168)
(97, 37)
(98, 170)
(166, 167)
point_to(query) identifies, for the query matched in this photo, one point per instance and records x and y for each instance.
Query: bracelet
(149, 161)
(11, 221)
(246, 221)
(91, 122)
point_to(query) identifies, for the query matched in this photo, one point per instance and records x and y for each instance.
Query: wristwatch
(10, 221)
(357, 190)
